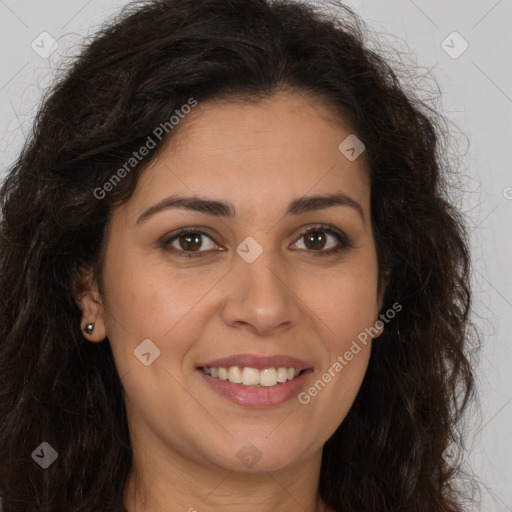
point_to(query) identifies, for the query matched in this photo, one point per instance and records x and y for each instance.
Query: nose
(259, 296)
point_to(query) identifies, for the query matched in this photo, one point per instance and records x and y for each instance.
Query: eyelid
(328, 229)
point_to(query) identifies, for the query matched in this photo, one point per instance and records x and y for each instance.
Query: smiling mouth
(252, 377)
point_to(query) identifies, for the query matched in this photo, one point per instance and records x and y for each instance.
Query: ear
(88, 298)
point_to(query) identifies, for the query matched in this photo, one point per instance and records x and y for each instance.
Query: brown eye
(315, 240)
(189, 241)
(192, 242)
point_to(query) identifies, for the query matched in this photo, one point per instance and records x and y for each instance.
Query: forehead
(255, 154)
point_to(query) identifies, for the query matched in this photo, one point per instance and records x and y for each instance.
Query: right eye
(186, 242)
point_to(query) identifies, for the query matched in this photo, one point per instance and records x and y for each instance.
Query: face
(277, 283)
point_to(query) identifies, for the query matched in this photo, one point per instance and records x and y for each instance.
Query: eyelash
(339, 235)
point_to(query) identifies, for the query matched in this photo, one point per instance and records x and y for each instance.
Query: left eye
(316, 240)
(190, 241)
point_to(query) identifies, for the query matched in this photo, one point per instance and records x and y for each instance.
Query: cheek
(149, 304)
(330, 395)
(345, 298)
(149, 298)
(347, 380)
(348, 307)
(153, 304)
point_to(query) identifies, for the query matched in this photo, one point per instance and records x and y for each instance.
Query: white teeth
(282, 374)
(248, 376)
(268, 377)
(235, 375)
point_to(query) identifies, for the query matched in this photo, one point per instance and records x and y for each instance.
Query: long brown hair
(57, 387)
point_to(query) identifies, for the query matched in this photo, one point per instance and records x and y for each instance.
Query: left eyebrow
(226, 209)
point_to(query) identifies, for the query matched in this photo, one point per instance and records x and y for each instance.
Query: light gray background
(476, 92)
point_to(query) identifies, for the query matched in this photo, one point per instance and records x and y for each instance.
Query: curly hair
(55, 386)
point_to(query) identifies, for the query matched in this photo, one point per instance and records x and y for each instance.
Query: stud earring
(89, 328)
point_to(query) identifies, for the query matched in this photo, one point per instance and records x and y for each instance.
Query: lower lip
(253, 396)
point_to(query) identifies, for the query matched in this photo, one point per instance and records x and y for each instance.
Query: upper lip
(258, 362)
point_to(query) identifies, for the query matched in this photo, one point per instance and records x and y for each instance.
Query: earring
(89, 328)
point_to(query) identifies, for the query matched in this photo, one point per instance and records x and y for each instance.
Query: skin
(290, 300)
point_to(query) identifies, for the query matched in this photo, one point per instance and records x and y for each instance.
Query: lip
(258, 362)
(257, 396)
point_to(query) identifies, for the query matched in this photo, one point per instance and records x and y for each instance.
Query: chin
(258, 453)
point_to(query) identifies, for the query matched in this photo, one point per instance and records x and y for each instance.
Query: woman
(230, 276)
